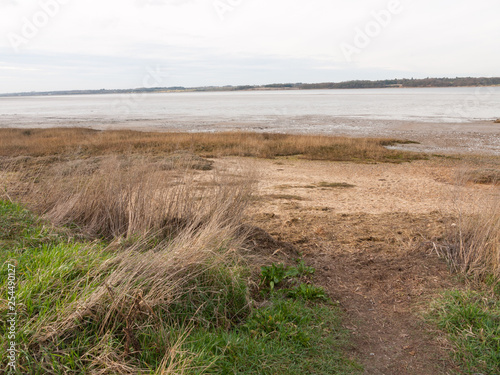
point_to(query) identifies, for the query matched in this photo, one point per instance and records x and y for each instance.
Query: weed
(273, 275)
(303, 269)
(308, 292)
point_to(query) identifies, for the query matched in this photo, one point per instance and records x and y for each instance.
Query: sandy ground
(419, 187)
(371, 244)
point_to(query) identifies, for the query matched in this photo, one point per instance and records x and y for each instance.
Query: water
(443, 120)
(432, 105)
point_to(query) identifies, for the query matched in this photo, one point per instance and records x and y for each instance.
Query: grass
(295, 335)
(73, 142)
(335, 185)
(289, 197)
(51, 270)
(483, 176)
(472, 321)
(322, 184)
(130, 197)
(472, 242)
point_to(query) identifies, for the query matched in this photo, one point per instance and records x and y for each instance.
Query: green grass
(210, 328)
(472, 321)
(50, 275)
(288, 336)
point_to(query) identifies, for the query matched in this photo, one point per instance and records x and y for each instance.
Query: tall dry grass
(86, 142)
(472, 242)
(189, 281)
(129, 196)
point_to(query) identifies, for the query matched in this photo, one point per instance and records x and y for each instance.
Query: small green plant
(303, 269)
(308, 292)
(273, 275)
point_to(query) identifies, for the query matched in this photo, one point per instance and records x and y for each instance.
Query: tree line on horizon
(355, 84)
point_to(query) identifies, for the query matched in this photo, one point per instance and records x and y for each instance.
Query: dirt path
(368, 231)
(381, 280)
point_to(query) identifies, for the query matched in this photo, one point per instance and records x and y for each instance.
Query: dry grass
(112, 196)
(472, 242)
(139, 200)
(483, 176)
(85, 142)
(169, 284)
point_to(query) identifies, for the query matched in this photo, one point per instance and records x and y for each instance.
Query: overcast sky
(93, 44)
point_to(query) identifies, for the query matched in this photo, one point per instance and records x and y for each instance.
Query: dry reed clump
(472, 242)
(86, 142)
(483, 176)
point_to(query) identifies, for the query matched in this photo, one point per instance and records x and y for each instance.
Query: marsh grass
(127, 306)
(166, 258)
(85, 142)
(128, 196)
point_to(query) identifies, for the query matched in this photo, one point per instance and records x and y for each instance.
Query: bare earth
(371, 243)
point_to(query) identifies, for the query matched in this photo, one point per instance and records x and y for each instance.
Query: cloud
(257, 41)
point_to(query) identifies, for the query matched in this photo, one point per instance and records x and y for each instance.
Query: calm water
(435, 105)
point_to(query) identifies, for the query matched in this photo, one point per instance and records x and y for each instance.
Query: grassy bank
(86, 142)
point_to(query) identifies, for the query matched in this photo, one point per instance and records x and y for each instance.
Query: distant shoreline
(357, 84)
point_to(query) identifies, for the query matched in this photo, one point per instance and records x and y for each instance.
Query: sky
(48, 45)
